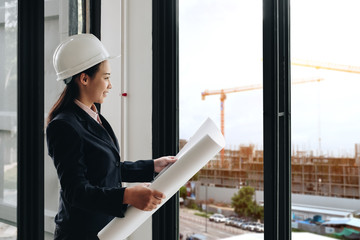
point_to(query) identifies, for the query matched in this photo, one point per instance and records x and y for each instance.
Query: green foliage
(193, 205)
(245, 206)
(183, 192)
(243, 202)
(258, 212)
(334, 236)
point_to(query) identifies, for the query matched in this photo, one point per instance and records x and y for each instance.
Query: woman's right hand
(142, 197)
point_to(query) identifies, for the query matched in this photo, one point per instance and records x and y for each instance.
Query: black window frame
(30, 117)
(165, 116)
(277, 119)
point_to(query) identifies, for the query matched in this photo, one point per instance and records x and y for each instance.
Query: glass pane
(325, 120)
(221, 77)
(8, 116)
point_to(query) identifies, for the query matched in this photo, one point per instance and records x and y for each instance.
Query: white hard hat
(78, 53)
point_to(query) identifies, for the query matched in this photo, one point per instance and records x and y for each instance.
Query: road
(190, 224)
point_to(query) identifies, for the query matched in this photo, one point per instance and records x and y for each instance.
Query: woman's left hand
(161, 163)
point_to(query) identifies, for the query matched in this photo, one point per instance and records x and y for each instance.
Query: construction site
(311, 175)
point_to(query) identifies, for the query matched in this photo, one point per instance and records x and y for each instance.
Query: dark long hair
(70, 93)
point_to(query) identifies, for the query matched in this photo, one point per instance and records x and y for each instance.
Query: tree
(243, 202)
(245, 206)
(183, 192)
(258, 212)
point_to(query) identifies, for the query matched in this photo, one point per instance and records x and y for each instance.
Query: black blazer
(87, 160)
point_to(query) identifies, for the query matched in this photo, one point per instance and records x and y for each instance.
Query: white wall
(126, 26)
(326, 202)
(225, 194)
(217, 193)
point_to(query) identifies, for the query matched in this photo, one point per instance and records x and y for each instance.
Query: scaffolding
(312, 175)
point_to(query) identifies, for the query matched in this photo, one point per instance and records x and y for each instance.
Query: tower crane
(325, 65)
(223, 92)
(296, 62)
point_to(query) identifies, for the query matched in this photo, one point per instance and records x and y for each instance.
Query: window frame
(30, 117)
(277, 119)
(165, 118)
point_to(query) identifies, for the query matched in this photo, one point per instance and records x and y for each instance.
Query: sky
(221, 47)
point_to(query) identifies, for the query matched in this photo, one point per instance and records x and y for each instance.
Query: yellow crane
(296, 62)
(325, 65)
(223, 92)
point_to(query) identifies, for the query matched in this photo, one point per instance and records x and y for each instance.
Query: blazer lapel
(110, 132)
(96, 129)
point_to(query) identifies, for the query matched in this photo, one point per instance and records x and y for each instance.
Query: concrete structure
(311, 175)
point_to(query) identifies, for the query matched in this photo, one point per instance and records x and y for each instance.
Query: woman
(85, 150)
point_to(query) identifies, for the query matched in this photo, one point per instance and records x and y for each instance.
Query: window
(56, 19)
(220, 52)
(325, 129)
(8, 115)
(276, 121)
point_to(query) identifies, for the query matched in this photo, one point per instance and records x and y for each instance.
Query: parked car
(217, 217)
(259, 228)
(220, 219)
(196, 236)
(229, 220)
(245, 225)
(238, 223)
(252, 226)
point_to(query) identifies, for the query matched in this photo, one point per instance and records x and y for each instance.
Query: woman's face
(99, 85)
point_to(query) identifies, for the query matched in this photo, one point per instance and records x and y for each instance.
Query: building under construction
(313, 175)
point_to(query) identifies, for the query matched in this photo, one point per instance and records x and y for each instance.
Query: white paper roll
(201, 148)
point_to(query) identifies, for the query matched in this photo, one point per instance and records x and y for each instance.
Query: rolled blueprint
(202, 147)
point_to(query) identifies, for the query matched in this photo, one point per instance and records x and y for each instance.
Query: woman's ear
(84, 79)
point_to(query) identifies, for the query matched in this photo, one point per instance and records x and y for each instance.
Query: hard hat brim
(84, 66)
